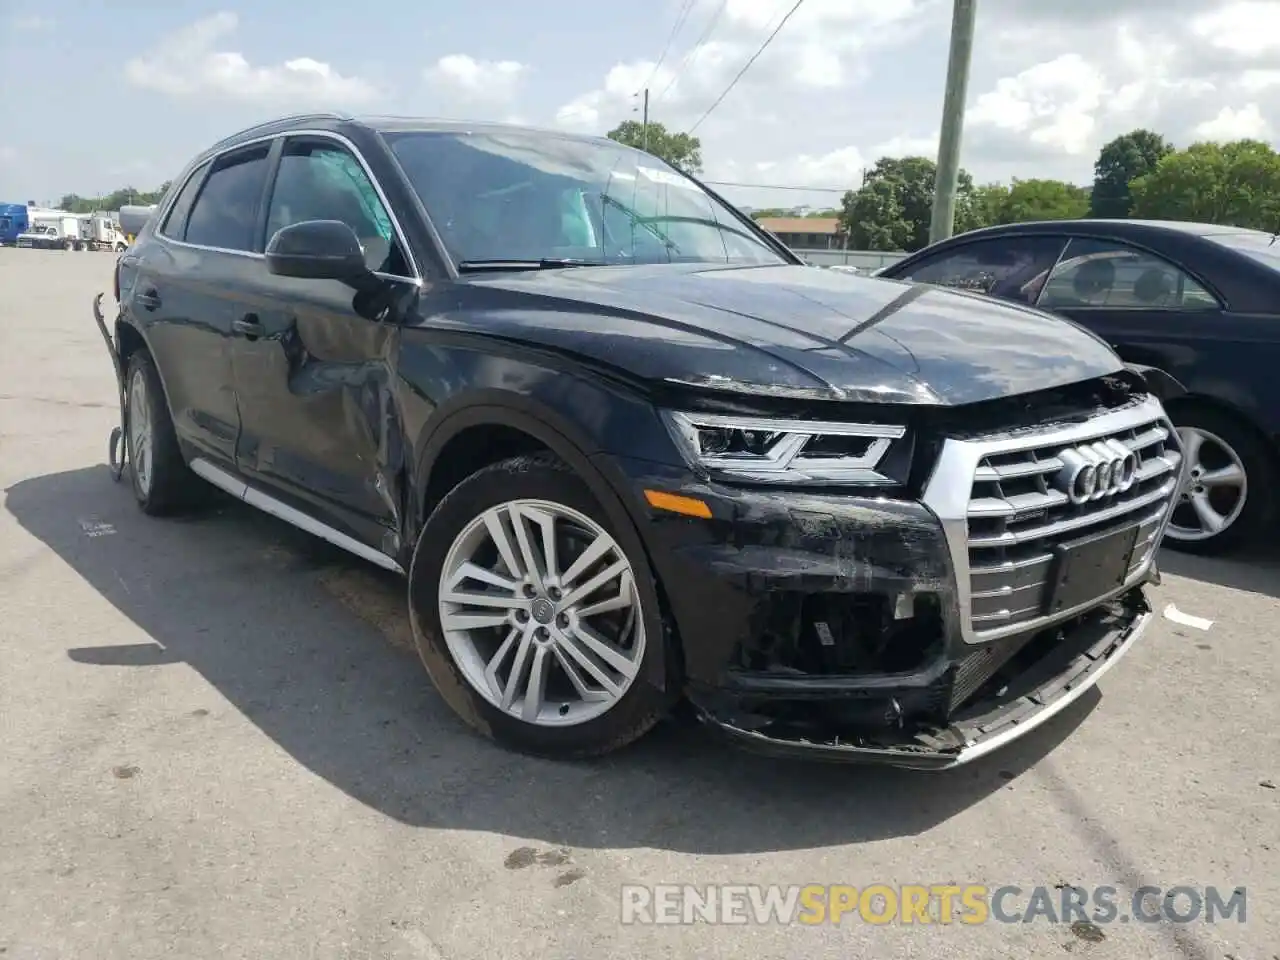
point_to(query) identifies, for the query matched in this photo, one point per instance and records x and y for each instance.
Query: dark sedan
(1196, 307)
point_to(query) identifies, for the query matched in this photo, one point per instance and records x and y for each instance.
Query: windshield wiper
(546, 263)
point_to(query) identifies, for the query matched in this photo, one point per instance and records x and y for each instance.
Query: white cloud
(1247, 123)
(1250, 28)
(1052, 104)
(821, 50)
(188, 64)
(493, 81)
(32, 23)
(8, 154)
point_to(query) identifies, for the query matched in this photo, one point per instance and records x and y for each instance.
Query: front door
(313, 376)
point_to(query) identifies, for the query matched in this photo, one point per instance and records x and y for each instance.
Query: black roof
(381, 124)
(1136, 229)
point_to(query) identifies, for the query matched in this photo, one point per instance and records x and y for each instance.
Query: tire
(569, 726)
(162, 483)
(1223, 437)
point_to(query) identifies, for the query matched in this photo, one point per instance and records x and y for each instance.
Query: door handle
(149, 300)
(249, 326)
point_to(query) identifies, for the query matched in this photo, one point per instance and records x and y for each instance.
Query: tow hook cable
(117, 448)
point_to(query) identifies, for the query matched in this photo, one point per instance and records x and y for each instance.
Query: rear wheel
(1226, 499)
(530, 616)
(162, 483)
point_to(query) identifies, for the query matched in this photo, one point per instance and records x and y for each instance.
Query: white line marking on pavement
(1185, 619)
(95, 528)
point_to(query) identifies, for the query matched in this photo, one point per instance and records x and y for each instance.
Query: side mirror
(317, 250)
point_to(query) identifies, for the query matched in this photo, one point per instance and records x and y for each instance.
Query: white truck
(99, 232)
(51, 232)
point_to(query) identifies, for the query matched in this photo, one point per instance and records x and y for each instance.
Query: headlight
(792, 451)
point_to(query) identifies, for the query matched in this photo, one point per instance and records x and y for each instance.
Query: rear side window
(225, 214)
(175, 224)
(1012, 268)
(1111, 275)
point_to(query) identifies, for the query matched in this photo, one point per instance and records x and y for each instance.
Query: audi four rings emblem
(1092, 471)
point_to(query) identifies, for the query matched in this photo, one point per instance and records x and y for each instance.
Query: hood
(793, 331)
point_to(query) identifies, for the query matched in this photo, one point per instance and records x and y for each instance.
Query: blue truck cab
(14, 219)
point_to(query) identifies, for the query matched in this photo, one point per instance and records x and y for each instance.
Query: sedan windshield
(522, 198)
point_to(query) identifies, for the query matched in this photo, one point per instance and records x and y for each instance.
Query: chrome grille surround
(1002, 508)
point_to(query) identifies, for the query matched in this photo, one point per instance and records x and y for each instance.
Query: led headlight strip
(784, 451)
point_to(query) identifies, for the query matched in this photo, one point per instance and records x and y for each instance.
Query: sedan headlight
(763, 450)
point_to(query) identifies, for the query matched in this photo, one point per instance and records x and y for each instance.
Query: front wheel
(1226, 500)
(531, 618)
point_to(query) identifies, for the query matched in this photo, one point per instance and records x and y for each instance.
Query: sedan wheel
(1215, 487)
(538, 608)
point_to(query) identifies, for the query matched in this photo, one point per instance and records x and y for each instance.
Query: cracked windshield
(507, 196)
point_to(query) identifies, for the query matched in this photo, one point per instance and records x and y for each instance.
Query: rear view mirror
(317, 250)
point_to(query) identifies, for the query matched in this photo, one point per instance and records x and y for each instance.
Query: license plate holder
(1090, 567)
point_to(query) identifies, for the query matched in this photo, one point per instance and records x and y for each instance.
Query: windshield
(1256, 244)
(518, 196)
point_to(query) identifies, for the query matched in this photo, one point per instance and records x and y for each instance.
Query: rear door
(1153, 311)
(186, 291)
(312, 375)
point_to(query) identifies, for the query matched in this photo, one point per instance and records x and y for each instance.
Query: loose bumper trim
(981, 728)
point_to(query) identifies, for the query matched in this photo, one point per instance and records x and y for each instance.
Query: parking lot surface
(216, 742)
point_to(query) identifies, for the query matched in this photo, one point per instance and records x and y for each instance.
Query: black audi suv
(628, 450)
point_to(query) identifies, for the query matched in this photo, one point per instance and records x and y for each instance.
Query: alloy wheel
(1214, 487)
(140, 431)
(539, 610)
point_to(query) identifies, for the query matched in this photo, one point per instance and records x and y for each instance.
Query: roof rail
(277, 120)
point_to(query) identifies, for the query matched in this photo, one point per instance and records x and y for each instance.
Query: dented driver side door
(313, 376)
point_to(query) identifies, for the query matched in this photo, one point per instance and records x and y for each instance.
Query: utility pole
(644, 125)
(943, 220)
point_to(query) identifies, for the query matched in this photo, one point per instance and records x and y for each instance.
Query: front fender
(1164, 385)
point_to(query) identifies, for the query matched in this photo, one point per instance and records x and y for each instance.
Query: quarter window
(175, 224)
(1103, 273)
(225, 214)
(319, 180)
(1012, 268)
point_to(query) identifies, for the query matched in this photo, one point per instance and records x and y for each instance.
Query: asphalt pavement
(215, 742)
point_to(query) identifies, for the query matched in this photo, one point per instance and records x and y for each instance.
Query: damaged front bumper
(836, 627)
(1074, 659)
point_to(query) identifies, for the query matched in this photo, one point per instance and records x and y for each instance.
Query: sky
(102, 95)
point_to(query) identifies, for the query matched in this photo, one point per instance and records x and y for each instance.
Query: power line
(696, 48)
(681, 17)
(776, 186)
(747, 66)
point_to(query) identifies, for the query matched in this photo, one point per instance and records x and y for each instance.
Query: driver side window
(1012, 268)
(321, 180)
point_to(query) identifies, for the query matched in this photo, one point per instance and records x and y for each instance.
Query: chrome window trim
(416, 279)
(948, 492)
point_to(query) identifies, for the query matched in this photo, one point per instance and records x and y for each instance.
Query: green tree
(873, 217)
(900, 188)
(984, 207)
(1120, 162)
(1028, 200)
(679, 149)
(1228, 183)
(125, 196)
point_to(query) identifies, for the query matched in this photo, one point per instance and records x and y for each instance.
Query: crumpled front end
(1013, 695)
(929, 632)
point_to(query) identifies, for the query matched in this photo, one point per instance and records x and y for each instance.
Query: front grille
(981, 665)
(1019, 512)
